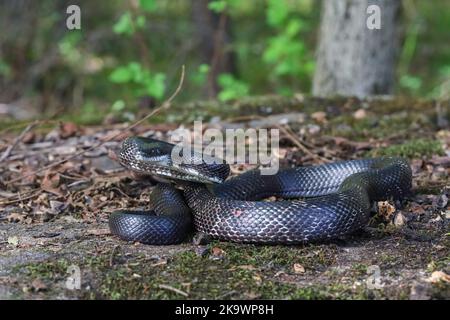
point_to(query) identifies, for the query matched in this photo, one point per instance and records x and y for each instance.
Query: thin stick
(166, 104)
(297, 142)
(17, 140)
(170, 288)
(288, 132)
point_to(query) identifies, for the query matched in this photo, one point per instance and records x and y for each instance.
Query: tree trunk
(353, 60)
(214, 36)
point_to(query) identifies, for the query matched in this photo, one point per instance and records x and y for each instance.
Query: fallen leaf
(218, 252)
(51, 182)
(38, 285)
(298, 268)
(439, 276)
(67, 129)
(385, 209)
(319, 116)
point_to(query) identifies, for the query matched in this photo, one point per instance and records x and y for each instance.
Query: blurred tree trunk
(214, 36)
(17, 24)
(351, 58)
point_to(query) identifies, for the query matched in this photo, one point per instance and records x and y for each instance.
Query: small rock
(313, 129)
(399, 220)
(442, 201)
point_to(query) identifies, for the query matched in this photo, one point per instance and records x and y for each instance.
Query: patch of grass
(416, 148)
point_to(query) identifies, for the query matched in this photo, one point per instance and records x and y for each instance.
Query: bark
(353, 60)
(213, 32)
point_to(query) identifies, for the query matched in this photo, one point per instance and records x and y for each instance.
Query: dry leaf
(438, 276)
(38, 285)
(385, 209)
(67, 129)
(217, 252)
(298, 268)
(319, 116)
(51, 182)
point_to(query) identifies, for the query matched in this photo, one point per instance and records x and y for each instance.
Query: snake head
(157, 158)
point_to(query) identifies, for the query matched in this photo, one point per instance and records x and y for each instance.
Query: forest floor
(55, 221)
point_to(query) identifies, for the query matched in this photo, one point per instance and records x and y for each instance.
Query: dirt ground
(55, 241)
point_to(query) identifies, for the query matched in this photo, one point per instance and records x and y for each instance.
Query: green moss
(48, 270)
(416, 148)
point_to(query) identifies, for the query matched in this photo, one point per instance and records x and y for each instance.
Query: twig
(17, 140)
(165, 105)
(170, 288)
(20, 199)
(111, 257)
(288, 132)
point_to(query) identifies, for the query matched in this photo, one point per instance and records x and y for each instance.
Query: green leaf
(231, 88)
(124, 25)
(148, 5)
(155, 85)
(293, 27)
(121, 75)
(217, 6)
(118, 105)
(140, 22)
(276, 13)
(410, 82)
(203, 68)
(5, 69)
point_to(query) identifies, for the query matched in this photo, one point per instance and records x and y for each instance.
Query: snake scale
(319, 202)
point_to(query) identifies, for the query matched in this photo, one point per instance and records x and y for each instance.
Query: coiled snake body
(338, 198)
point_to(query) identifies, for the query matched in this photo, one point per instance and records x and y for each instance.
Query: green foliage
(148, 5)
(5, 69)
(285, 52)
(231, 88)
(69, 47)
(217, 6)
(143, 81)
(124, 25)
(128, 25)
(200, 76)
(410, 82)
(277, 12)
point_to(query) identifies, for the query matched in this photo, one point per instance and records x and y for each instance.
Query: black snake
(338, 198)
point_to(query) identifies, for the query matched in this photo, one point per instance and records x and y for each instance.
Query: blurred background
(128, 54)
